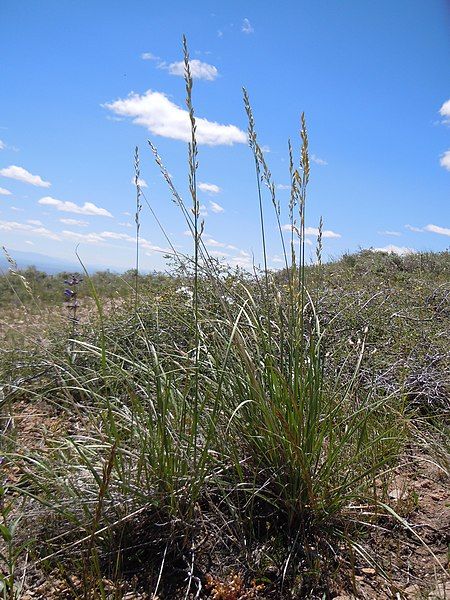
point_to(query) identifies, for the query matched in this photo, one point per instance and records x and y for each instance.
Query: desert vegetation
(218, 433)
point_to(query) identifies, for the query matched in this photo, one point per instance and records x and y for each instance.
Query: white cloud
(125, 224)
(41, 231)
(445, 160)
(247, 27)
(199, 69)
(209, 188)
(218, 253)
(242, 259)
(160, 116)
(88, 208)
(209, 241)
(98, 237)
(431, 228)
(216, 208)
(75, 222)
(391, 249)
(437, 229)
(16, 208)
(149, 56)
(444, 111)
(326, 233)
(142, 182)
(212, 243)
(29, 242)
(153, 248)
(115, 235)
(105, 236)
(2, 145)
(4, 192)
(283, 186)
(34, 222)
(203, 210)
(415, 229)
(393, 233)
(318, 161)
(21, 174)
(89, 238)
(265, 149)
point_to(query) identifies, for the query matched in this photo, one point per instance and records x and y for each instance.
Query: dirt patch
(410, 553)
(405, 557)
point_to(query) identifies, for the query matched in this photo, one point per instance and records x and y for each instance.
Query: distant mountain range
(45, 263)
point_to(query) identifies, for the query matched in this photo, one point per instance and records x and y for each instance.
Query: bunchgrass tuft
(217, 414)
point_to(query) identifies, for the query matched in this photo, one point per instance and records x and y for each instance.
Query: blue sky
(83, 83)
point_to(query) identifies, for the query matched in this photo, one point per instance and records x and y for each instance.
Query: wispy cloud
(88, 208)
(106, 236)
(209, 188)
(430, 228)
(437, 229)
(74, 222)
(27, 227)
(444, 161)
(392, 233)
(213, 243)
(218, 253)
(326, 233)
(161, 116)
(35, 227)
(209, 241)
(21, 174)
(199, 69)
(149, 56)
(142, 183)
(247, 27)
(4, 146)
(413, 228)
(391, 249)
(444, 111)
(158, 249)
(242, 259)
(318, 161)
(88, 238)
(4, 192)
(283, 186)
(233, 255)
(216, 208)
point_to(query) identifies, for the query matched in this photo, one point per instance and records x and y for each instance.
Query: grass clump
(217, 416)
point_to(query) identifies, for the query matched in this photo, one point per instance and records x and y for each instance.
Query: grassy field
(214, 433)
